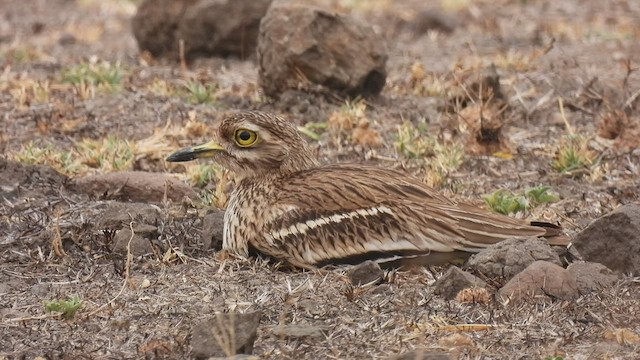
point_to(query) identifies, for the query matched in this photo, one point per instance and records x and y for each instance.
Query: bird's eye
(244, 137)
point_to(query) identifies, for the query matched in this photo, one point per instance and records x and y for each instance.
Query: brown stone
(301, 47)
(119, 214)
(213, 229)
(592, 277)
(134, 186)
(225, 334)
(154, 25)
(454, 281)
(365, 273)
(540, 280)
(222, 27)
(139, 243)
(509, 257)
(613, 240)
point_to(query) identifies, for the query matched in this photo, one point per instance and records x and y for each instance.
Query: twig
(127, 266)
(27, 318)
(564, 117)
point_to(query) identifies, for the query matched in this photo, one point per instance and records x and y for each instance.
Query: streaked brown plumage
(289, 207)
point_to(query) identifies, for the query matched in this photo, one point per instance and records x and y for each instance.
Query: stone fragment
(509, 257)
(454, 281)
(301, 47)
(225, 334)
(592, 277)
(134, 186)
(365, 273)
(213, 229)
(613, 240)
(222, 27)
(540, 280)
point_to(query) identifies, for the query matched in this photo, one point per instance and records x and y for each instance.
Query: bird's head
(253, 144)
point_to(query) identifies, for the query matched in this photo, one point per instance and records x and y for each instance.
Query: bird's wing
(352, 212)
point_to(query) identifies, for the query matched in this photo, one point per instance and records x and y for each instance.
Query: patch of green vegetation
(199, 93)
(67, 308)
(110, 154)
(313, 130)
(63, 161)
(437, 158)
(573, 155)
(102, 74)
(505, 202)
(413, 141)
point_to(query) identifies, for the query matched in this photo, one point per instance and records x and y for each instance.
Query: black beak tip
(181, 156)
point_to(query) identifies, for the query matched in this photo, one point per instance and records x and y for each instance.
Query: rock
(66, 39)
(134, 186)
(154, 25)
(541, 279)
(365, 273)
(433, 20)
(118, 214)
(454, 281)
(140, 242)
(592, 277)
(421, 355)
(299, 331)
(613, 240)
(225, 334)
(222, 27)
(15, 177)
(206, 27)
(301, 47)
(509, 257)
(213, 229)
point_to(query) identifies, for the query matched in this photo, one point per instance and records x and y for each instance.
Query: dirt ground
(566, 68)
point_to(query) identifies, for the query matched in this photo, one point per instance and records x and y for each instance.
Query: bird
(289, 207)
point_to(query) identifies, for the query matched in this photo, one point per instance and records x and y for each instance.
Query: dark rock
(118, 214)
(299, 331)
(134, 186)
(15, 176)
(613, 240)
(455, 280)
(301, 47)
(540, 280)
(141, 240)
(206, 27)
(222, 27)
(154, 25)
(421, 355)
(592, 277)
(433, 20)
(365, 273)
(66, 39)
(225, 334)
(509, 257)
(213, 229)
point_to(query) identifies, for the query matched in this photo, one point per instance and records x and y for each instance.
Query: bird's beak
(195, 152)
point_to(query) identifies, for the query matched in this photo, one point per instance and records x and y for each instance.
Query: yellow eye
(245, 138)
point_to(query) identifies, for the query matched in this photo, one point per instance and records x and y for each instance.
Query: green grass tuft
(67, 308)
(505, 202)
